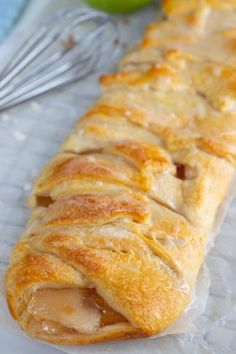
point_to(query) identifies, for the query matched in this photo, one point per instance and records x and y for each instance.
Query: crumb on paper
(27, 186)
(35, 105)
(4, 117)
(124, 46)
(34, 172)
(19, 135)
(68, 43)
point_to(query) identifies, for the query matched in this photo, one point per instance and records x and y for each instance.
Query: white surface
(33, 132)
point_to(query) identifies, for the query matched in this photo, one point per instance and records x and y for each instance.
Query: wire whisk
(67, 47)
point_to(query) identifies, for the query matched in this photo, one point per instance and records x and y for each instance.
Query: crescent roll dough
(120, 217)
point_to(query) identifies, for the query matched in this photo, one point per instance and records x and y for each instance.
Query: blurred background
(11, 10)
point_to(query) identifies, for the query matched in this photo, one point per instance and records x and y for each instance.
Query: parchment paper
(31, 134)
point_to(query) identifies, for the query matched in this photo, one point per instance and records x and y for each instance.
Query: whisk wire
(79, 54)
(56, 58)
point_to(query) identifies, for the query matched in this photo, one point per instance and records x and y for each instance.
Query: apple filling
(70, 311)
(185, 172)
(44, 201)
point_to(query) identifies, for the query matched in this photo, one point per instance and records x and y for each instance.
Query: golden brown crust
(93, 252)
(176, 7)
(96, 209)
(145, 168)
(125, 207)
(210, 124)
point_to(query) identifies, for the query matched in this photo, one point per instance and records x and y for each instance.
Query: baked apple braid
(120, 217)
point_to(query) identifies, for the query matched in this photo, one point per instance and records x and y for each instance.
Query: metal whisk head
(67, 47)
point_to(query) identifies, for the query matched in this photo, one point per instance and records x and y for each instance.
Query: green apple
(118, 6)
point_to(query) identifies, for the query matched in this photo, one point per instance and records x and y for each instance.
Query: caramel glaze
(108, 316)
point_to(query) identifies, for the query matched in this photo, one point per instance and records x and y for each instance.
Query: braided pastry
(121, 215)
